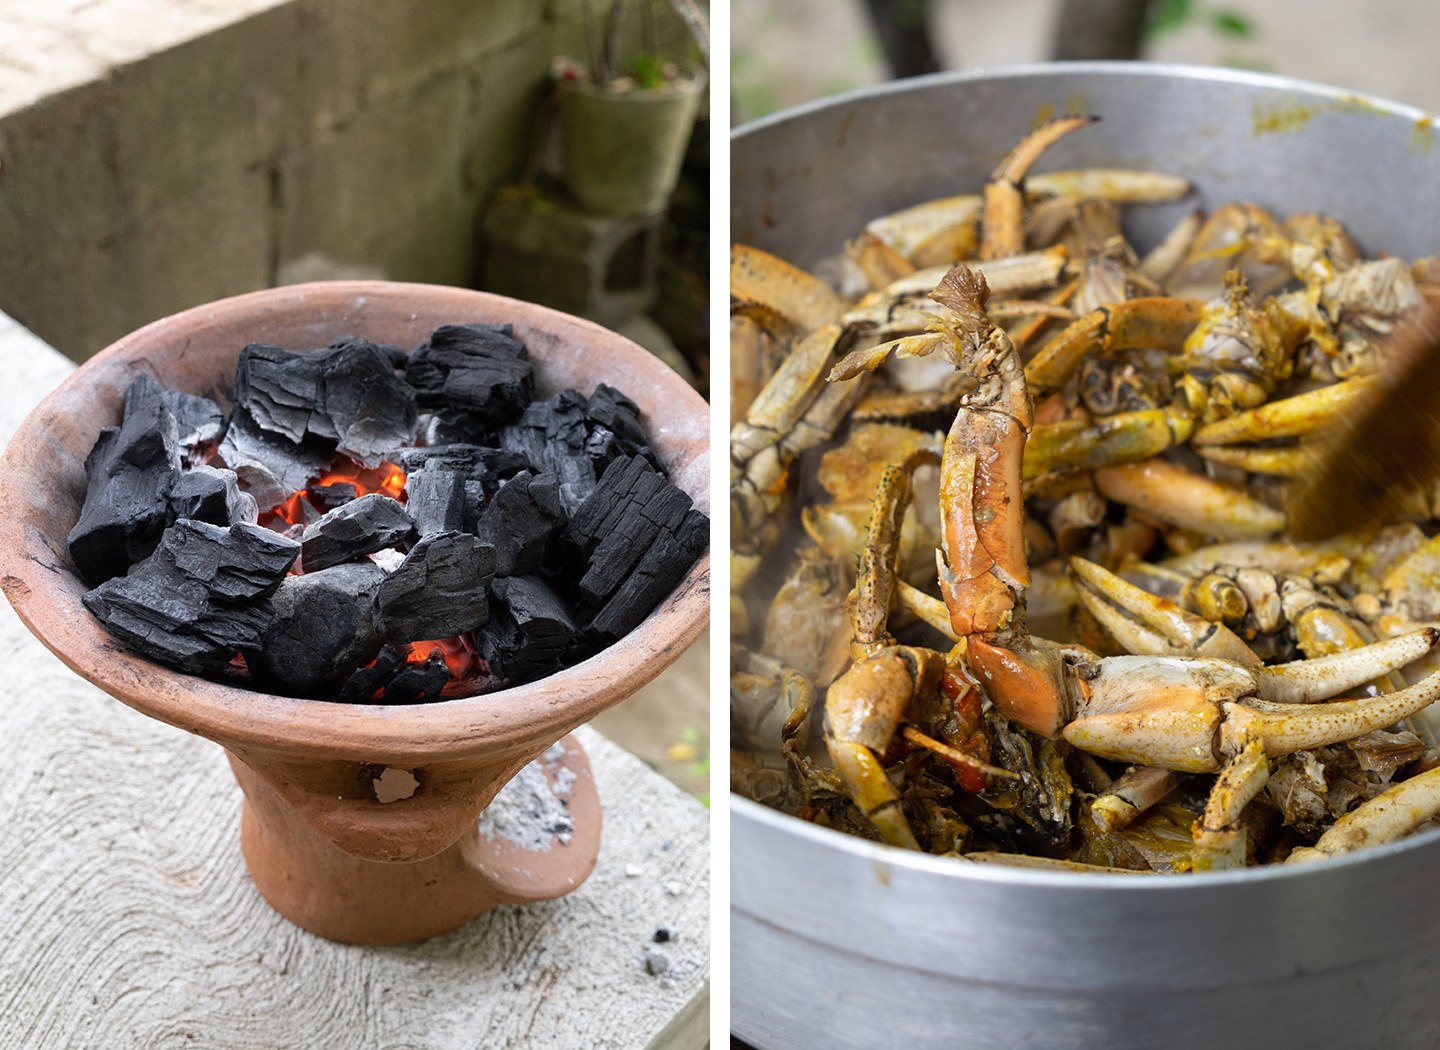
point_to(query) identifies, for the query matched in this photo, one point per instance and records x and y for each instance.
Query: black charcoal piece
(392, 679)
(240, 564)
(552, 435)
(366, 407)
(210, 494)
(627, 486)
(396, 356)
(439, 590)
(529, 633)
(660, 570)
(202, 597)
(436, 500)
(519, 522)
(476, 369)
(129, 474)
(417, 683)
(628, 535)
(336, 494)
(323, 628)
(279, 389)
(349, 394)
(476, 462)
(547, 428)
(361, 687)
(616, 413)
(363, 526)
(270, 467)
(199, 421)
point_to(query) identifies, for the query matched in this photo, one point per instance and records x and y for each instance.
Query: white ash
(657, 962)
(532, 811)
(389, 560)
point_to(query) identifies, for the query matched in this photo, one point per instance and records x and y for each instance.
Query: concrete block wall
(162, 153)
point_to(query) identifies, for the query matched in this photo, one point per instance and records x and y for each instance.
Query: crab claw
(1150, 626)
(1186, 715)
(1308, 681)
(1026, 683)
(1286, 728)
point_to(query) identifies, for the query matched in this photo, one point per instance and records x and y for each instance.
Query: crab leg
(1220, 841)
(875, 577)
(870, 788)
(1289, 417)
(784, 398)
(1121, 185)
(1131, 795)
(1024, 860)
(758, 276)
(949, 244)
(928, 609)
(1010, 276)
(1162, 323)
(1026, 332)
(881, 264)
(910, 228)
(1384, 818)
(1127, 437)
(1288, 462)
(1170, 493)
(1002, 230)
(1165, 258)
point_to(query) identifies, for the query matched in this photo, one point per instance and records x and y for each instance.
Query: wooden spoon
(1386, 446)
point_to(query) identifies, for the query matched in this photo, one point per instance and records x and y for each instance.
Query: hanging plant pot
(623, 150)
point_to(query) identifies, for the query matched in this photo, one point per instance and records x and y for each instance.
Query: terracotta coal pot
(321, 847)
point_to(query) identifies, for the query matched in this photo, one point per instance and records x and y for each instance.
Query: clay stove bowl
(319, 844)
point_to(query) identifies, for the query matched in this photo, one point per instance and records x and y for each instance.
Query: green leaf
(1167, 15)
(1235, 24)
(705, 800)
(648, 71)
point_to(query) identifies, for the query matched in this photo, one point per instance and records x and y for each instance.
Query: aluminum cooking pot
(837, 941)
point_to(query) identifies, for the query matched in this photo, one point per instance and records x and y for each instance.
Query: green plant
(647, 70)
(1168, 15)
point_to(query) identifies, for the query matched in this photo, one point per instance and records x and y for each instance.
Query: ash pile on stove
(377, 526)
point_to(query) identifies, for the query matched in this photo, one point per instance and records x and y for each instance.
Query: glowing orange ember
(458, 654)
(386, 479)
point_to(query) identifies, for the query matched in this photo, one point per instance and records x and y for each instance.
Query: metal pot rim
(1045, 70)
(879, 853)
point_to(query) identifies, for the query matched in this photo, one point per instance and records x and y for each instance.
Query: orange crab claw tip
(1024, 688)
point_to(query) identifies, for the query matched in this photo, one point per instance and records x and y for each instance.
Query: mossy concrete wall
(157, 154)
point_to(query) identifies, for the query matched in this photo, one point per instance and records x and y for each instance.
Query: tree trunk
(903, 27)
(1099, 29)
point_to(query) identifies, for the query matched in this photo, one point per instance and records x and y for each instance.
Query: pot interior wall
(806, 180)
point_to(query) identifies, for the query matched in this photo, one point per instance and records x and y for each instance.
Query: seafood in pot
(1011, 577)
